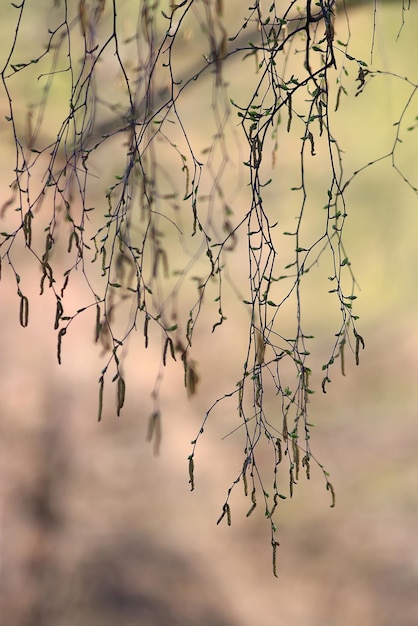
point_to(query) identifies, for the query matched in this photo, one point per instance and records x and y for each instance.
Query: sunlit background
(97, 530)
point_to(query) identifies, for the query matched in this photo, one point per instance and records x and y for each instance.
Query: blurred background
(96, 529)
